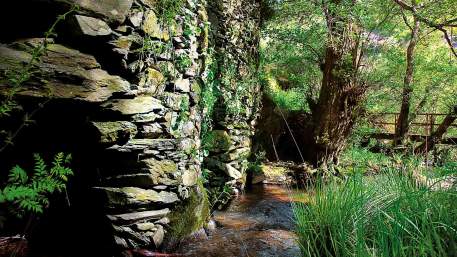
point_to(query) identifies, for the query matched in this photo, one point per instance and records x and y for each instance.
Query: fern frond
(17, 175)
(58, 159)
(68, 158)
(40, 166)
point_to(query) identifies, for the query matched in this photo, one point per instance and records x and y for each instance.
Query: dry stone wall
(234, 36)
(141, 75)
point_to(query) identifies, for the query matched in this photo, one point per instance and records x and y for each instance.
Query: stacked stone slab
(147, 120)
(235, 37)
(141, 76)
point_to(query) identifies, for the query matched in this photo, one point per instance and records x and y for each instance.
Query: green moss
(217, 140)
(191, 215)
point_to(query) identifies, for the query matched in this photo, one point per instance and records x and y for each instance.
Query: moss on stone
(217, 141)
(192, 215)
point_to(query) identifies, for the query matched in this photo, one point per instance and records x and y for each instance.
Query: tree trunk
(340, 94)
(403, 120)
(436, 136)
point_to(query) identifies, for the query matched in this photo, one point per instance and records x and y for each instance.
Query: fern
(29, 194)
(17, 176)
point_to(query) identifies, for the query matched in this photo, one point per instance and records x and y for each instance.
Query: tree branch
(439, 26)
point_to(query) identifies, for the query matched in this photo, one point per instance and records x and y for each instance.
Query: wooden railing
(422, 126)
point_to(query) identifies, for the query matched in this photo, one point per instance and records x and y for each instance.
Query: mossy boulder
(191, 215)
(217, 141)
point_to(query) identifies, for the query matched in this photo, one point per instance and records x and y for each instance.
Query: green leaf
(17, 175)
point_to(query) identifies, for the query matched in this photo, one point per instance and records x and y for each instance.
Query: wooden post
(432, 124)
(427, 125)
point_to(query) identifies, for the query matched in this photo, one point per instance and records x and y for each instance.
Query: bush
(384, 215)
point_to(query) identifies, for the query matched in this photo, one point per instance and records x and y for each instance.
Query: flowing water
(258, 223)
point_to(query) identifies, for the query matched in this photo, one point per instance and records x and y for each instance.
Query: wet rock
(211, 225)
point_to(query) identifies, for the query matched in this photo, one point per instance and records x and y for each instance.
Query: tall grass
(384, 215)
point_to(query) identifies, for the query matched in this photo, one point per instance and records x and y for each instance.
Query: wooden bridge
(422, 126)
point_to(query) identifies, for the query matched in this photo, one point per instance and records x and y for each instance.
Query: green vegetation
(384, 215)
(168, 9)
(29, 192)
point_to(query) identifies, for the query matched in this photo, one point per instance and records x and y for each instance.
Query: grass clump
(384, 215)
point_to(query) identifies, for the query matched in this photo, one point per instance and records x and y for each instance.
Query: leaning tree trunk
(403, 119)
(436, 136)
(338, 104)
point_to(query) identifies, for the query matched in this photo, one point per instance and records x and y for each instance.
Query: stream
(258, 223)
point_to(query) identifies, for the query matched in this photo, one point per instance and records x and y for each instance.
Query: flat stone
(115, 132)
(236, 154)
(147, 226)
(182, 85)
(189, 178)
(158, 236)
(136, 18)
(163, 221)
(160, 166)
(174, 101)
(142, 145)
(149, 180)
(134, 217)
(145, 117)
(69, 74)
(153, 130)
(136, 196)
(140, 104)
(120, 242)
(232, 172)
(227, 168)
(114, 10)
(92, 26)
(137, 237)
